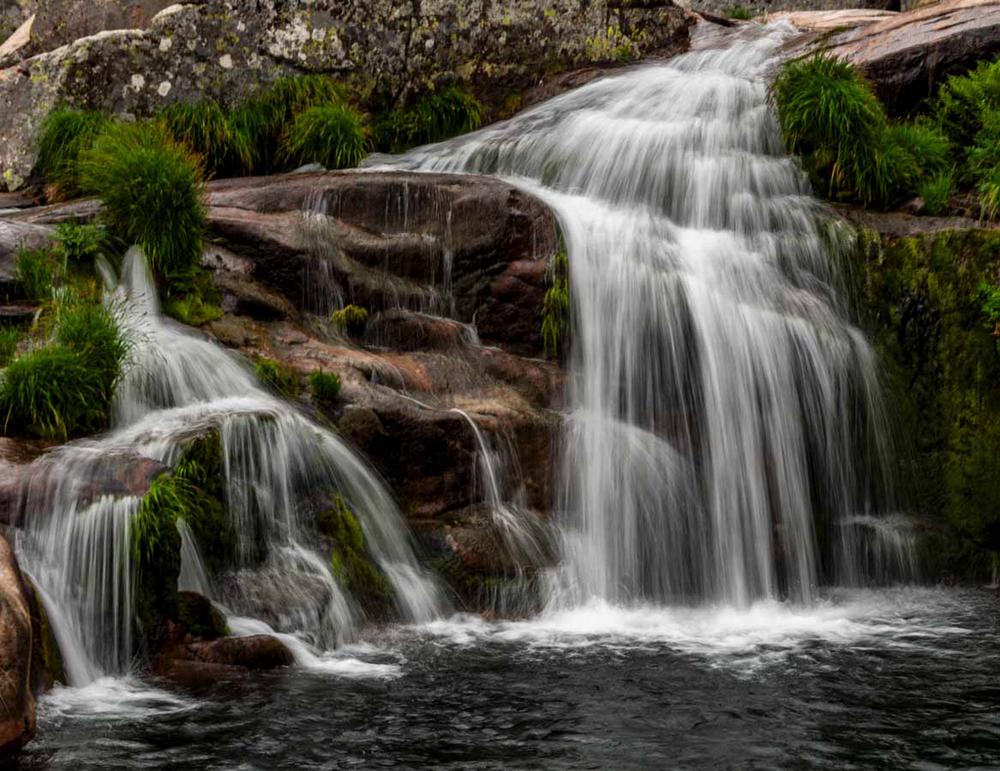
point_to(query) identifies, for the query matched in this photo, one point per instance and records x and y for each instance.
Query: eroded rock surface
(17, 702)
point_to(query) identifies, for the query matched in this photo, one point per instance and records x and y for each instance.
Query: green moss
(193, 299)
(278, 376)
(931, 310)
(351, 319)
(151, 188)
(556, 307)
(351, 562)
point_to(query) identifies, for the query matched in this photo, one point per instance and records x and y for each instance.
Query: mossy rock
(200, 618)
(352, 563)
(922, 300)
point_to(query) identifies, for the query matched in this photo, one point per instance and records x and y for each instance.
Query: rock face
(908, 55)
(224, 48)
(17, 702)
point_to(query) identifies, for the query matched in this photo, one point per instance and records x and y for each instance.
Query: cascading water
(726, 417)
(178, 387)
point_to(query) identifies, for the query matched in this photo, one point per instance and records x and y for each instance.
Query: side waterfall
(178, 386)
(727, 424)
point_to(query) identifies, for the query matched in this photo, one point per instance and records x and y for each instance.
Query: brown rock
(209, 658)
(17, 702)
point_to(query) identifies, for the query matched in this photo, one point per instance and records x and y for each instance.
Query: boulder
(15, 236)
(908, 55)
(226, 49)
(17, 702)
(208, 659)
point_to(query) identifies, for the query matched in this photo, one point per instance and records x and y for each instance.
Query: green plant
(556, 307)
(936, 192)
(151, 188)
(325, 386)
(962, 102)
(64, 135)
(990, 297)
(351, 562)
(739, 13)
(988, 188)
(278, 376)
(351, 319)
(80, 244)
(193, 299)
(333, 135)
(91, 331)
(38, 272)
(432, 117)
(9, 339)
(613, 44)
(204, 128)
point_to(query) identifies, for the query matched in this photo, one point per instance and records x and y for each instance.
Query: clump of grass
(80, 244)
(204, 128)
(333, 135)
(432, 117)
(936, 193)
(351, 319)
(831, 119)
(556, 307)
(38, 272)
(962, 103)
(739, 13)
(64, 135)
(990, 298)
(9, 339)
(278, 376)
(151, 188)
(325, 386)
(194, 299)
(66, 387)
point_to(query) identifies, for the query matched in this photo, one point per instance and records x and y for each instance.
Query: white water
(178, 386)
(726, 415)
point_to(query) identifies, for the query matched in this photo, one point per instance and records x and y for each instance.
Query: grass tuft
(64, 135)
(38, 272)
(325, 386)
(351, 319)
(333, 135)
(278, 376)
(204, 128)
(433, 117)
(151, 188)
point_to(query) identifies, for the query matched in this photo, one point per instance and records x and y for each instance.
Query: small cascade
(727, 417)
(521, 535)
(276, 465)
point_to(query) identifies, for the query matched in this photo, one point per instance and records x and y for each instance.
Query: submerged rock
(17, 702)
(207, 659)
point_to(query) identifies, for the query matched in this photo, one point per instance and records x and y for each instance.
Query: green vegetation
(933, 307)
(151, 189)
(65, 387)
(431, 117)
(556, 307)
(351, 319)
(38, 273)
(193, 299)
(936, 193)
(831, 119)
(204, 128)
(963, 105)
(325, 386)
(739, 13)
(613, 45)
(333, 135)
(9, 339)
(278, 376)
(65, 134)
(351, 562)
(80, 244)
(192, 492)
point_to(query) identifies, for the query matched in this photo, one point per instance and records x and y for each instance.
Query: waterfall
(275, 463)
(726, 415)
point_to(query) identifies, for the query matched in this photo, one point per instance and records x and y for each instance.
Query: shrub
(830, 118)
(64, 135)
(333, 135)
(250, 148)
(91, 331)
(351, 319)
(80, 244)
(556, 307)
(204, 128)
(962, 102)
(433, 117)
(325, 386)
(151, 189)
(278, 376)
(936, 192)
(9, 338)
(38, 272)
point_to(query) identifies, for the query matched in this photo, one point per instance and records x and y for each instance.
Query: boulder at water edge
(17, 703)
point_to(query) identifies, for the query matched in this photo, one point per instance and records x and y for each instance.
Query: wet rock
(46, 658)
(206, 659)
(17, 702)
(225, 49)
(907, 55)
(199, 618)
(14, 236)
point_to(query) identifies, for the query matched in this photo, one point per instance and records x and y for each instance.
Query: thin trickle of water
(276, 464)
(726, 415)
